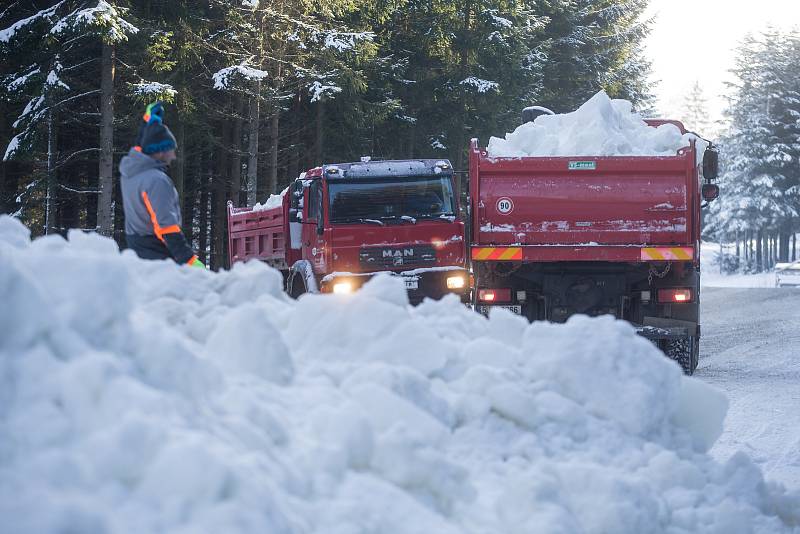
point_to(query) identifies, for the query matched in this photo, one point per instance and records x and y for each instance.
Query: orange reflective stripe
(667, 253)
(481, 253)
(191, 260)
(497, 253)
(156, 227)
(512, 254)
(137, 148)
(174, 229)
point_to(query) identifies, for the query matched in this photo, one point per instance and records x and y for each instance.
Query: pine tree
(695, 112)
(761, 184)
(49, 49)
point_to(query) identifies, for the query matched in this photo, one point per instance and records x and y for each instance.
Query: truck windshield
(387, 200)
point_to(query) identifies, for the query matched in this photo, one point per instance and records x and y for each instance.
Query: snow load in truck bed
(600, 127)
(148, 397)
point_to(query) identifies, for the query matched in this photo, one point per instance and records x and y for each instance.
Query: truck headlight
(456, 282)
(342, 288)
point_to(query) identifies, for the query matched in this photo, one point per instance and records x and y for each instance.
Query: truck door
(313, 242)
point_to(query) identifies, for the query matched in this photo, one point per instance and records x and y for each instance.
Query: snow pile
(274, 201)
(149, 397)
(600, 127)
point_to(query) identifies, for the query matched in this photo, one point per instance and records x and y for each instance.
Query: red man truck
(557, 236)
(338, 225)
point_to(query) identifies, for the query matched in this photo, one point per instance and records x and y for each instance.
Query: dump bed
(258, 233)
(585, 208)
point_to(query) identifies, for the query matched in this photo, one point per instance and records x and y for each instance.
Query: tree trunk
(794, 247)
(760, 251)
(202, 239)
(746, 246)
(218, 197)
(105, 219)
(273, 153)
(236, 153)
(319, 136)
(293, 167)
(252, 149)
(463, 136)
(179, 175)
(50, 202)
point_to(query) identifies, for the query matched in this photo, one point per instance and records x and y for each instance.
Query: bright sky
(696, 40)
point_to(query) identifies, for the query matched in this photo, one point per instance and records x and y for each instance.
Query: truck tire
(301, 279)
(684, 351)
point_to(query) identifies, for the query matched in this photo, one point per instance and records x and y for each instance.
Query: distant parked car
(787, 274)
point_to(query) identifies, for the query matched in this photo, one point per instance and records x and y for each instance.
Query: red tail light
(494, 295)
(683, 294)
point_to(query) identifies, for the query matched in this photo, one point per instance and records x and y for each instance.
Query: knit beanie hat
(154, 136)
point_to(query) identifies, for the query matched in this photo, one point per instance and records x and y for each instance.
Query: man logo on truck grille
(505, 205)
(400, 253)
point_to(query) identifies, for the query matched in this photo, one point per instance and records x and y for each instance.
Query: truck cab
(344, 223)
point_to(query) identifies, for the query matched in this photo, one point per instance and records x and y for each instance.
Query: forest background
(258, 92)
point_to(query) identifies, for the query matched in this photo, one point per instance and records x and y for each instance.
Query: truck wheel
(296, 287)
(684, 351)
(301, 279)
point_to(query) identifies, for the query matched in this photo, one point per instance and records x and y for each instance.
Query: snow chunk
(53, 80)
(224, 78)
(12, 148)
(9, 33)
(153, 90)
(482, 86)
(20, 81)
(195, 401)
(104, 16)
(600, 127)
(318, 90)
(13, 232)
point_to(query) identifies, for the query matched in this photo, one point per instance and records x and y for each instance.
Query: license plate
(512, 308)
(412, 283)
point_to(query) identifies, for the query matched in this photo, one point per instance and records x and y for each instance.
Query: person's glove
(194, 262)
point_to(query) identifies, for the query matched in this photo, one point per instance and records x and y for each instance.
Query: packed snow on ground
(711, 276)
(749, 349)
(600, 127)
(149, 397)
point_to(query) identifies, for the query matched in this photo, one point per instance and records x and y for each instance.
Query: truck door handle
(307, 243)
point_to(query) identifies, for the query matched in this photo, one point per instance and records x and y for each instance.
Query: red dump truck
(558, 236)
(338, 225)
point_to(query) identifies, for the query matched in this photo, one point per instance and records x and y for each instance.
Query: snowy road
(751, 349)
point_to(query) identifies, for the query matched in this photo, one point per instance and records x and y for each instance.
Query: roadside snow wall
(146, 397)
(600, 127)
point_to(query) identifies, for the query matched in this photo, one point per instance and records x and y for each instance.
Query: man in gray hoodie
(149, 199)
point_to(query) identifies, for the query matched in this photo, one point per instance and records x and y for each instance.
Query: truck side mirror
(710, 192)
(711, 163)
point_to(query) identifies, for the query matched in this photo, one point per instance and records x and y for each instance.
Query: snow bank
(149, 397)
(600, 127)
